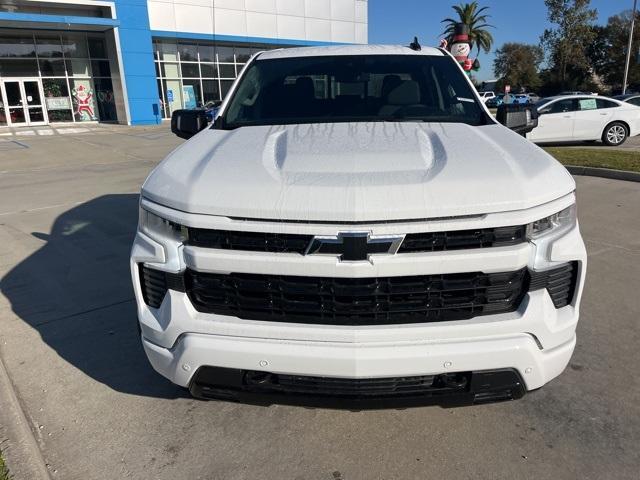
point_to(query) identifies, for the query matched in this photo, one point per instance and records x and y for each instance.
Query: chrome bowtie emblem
(354, 246)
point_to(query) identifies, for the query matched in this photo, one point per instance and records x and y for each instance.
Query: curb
(19, 446)
(604, 173)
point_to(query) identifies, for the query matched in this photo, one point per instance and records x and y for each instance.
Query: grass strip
(4, 471)
(597, 157)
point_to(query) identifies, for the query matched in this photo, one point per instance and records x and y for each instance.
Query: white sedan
(585, 117)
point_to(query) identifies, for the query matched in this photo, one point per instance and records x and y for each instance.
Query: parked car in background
(533, 97)
(525, 98)
(484, 96)
(632, 98)
(496, 101)
(573, 118)
(575, 92)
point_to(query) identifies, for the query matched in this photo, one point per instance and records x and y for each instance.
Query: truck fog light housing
(563, 220)
(159, 227)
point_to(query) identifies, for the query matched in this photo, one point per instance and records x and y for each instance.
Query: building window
(18, 67)
(16, 45)
(73, 68)
(57, 99)
(200, 72)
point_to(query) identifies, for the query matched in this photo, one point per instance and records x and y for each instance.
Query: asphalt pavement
(96, 409)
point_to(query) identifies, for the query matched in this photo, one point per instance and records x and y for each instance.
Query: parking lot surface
(68, 340)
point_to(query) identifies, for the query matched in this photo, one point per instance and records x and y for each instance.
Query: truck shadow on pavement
(76, 292)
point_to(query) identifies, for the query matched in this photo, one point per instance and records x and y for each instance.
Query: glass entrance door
(23, 102)
(13, 104)
(32, 93)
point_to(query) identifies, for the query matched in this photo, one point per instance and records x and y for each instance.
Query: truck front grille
(359, 301)
(463, 239)
(249, 241)
(356, 301)
(413, 242)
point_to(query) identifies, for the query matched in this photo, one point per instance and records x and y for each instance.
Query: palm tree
(476, 21)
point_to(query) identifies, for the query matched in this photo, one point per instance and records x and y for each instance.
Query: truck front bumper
(186, 345)
(360, 360)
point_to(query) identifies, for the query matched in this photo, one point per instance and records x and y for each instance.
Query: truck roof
(347, 50)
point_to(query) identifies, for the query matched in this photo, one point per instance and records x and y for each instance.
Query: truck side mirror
(521, 118)
(186, 123)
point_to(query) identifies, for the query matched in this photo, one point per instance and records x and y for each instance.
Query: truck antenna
(415, 45)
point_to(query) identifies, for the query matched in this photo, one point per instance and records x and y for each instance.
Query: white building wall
(342, 21)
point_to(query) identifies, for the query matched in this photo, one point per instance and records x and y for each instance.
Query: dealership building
(136, 61)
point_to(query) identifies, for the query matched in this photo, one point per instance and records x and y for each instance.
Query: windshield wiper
(399, 118)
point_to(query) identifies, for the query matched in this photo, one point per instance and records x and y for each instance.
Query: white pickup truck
(356, 228)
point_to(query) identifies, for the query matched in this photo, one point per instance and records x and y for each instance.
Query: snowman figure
(461, 48)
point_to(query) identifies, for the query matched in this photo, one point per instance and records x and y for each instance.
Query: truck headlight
(564, 220)
(157, 227)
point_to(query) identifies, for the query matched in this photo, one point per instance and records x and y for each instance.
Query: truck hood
(357, 172)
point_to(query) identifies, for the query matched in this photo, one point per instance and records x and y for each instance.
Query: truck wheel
(614, 134)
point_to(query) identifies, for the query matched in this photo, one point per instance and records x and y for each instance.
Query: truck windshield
(328, 89)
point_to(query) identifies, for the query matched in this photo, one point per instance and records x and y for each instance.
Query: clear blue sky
(397, 21)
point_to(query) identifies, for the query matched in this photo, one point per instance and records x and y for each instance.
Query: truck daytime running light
(156, 226)
(563, 220)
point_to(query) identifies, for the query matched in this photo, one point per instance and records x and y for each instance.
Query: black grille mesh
(560, 282)
(462, 239)
(359, 301)
(154, 286)
(363, 387)
(249, 241)
(356, 301)
(447, 389)
(155, 283)
(414, 242)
